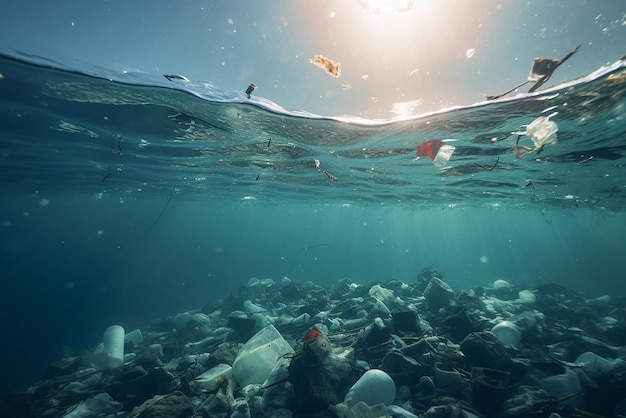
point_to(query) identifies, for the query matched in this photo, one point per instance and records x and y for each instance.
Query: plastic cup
(113, 342)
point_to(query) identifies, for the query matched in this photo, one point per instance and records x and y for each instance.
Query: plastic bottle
(113, 342)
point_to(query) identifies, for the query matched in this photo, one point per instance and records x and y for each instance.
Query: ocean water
(131, 196)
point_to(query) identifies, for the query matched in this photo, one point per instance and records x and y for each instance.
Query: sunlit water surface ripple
(133, 134)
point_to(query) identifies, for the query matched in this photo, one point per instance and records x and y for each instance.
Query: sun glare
(385, 8)
(399, 51)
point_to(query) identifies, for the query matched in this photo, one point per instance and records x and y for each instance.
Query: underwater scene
(313, 209)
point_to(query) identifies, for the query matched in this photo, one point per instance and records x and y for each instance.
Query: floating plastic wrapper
(374, 387)
(113, 343)
(437, 150)
(258, 356)
(542, 131)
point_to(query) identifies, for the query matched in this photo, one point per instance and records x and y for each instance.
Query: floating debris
(437, 150)
(330, 176)
(542, 69)
(488, 168)
(542, 131)
(250, 89)
(109, 173)
(540, 72)
(585, 161)
(167, 203)
(529, 183)
(327, 65)
(117, 151)
(172, 77)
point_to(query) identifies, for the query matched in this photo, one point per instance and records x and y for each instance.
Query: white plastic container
(210, 380)
(135, 337)
(113, 343)
(508, 333)
(374, 387)
(259, 355)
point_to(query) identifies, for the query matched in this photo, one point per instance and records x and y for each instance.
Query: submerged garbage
(387, 349)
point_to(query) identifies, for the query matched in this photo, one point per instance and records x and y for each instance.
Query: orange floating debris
(327, 64)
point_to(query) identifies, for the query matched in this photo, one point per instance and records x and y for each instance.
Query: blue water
(127, 197)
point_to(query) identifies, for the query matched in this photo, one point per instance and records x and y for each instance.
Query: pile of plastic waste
(393, 349)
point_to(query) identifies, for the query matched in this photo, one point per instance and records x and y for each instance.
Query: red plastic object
(311, 335)
(428, 149)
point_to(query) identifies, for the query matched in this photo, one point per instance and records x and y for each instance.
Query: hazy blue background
(73, 264)
(78, 264)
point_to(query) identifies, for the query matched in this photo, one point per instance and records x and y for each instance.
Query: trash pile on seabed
(393, 349)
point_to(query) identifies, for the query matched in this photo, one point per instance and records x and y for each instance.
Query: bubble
(44, 202)
(100, 232)
(469, 53)
(484, 259)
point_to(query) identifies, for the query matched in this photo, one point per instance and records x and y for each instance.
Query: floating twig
(309, 247)
(330, 176)
(117, 151)
(529, 183)
(489, 168)
(161, 213)
(108, 174)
